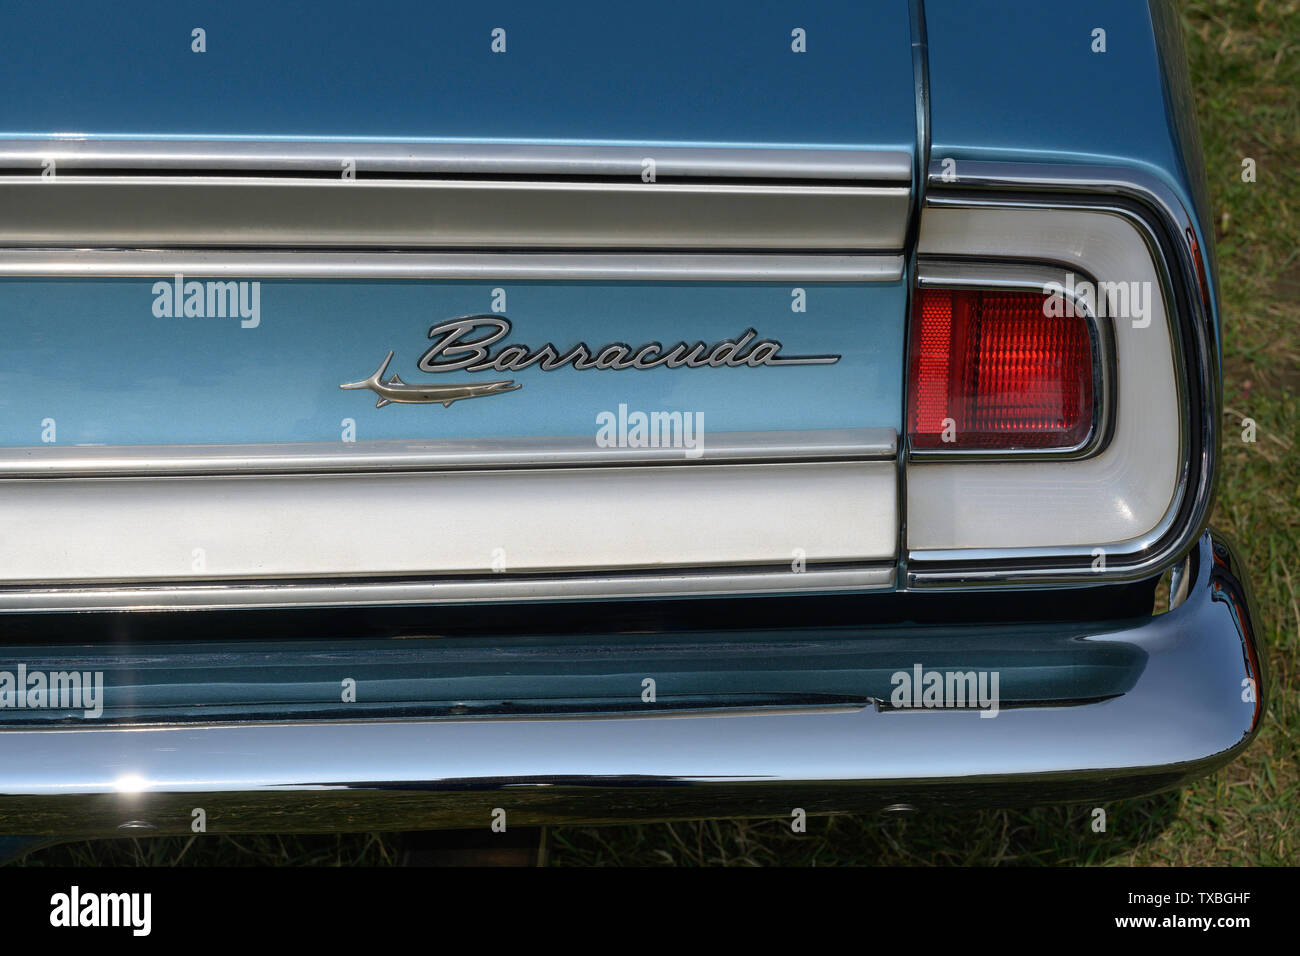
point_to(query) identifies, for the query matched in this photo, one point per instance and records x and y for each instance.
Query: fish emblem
(396, 391)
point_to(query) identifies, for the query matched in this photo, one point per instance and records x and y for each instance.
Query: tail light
(1070, 409)
(999, 370)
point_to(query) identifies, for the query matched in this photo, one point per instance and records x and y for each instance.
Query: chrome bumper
(1183, 715)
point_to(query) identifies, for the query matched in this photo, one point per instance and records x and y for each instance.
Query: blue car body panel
(710, 74)
(103, 365)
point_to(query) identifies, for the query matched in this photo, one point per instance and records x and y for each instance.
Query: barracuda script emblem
(466, 344)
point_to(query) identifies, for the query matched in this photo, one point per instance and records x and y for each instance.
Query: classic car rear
(600, 417)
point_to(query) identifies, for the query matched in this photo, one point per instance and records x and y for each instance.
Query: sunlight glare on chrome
(131, 783)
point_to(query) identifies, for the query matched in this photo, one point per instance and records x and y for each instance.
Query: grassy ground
(1246, 68)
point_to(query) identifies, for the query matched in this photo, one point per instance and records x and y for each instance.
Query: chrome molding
(860, 444)
(681, 267)
(415, 158)
(268, 211)
(941, 273)
(1168, 228)
(496, 589)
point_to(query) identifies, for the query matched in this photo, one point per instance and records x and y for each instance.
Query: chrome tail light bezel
(1026, 276)
(1169, 232)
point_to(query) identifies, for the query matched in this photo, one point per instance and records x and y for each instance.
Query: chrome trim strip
(945, 273)
(920, 165)
(414, 158)
(849, 444)
(142, 211)
(494, 590)
(680, 267)
(1182, 718)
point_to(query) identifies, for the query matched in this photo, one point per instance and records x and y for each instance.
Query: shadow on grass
(1044, 836)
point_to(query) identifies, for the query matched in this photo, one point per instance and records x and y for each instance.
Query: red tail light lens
(997, 370)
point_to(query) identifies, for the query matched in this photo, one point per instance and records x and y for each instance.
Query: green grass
(1245, 64)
